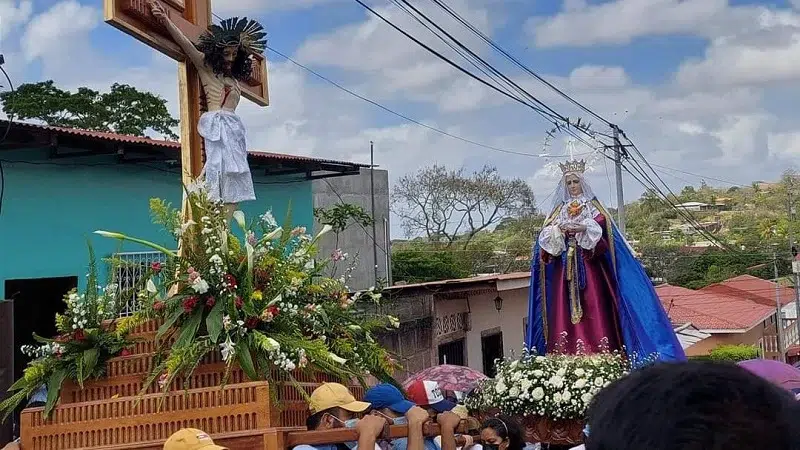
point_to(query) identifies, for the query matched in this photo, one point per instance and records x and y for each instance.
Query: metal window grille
(132, 266)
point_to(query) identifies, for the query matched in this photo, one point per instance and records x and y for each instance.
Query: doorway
(452, 353)
(492, 349)
(36, 303)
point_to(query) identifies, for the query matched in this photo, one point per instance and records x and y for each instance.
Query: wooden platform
(109, 414)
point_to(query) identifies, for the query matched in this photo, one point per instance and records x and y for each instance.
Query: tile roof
(167, 144)
(752, 288)
(711, 310)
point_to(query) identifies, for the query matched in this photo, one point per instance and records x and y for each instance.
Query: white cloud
(13, 14)
(51, 33)
(765, 52)
(589, 77)
(621, 21)
(253, 7)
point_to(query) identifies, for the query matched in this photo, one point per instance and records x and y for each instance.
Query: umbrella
(449, 377)
(783, 375)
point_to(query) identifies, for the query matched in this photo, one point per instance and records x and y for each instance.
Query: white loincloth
(227, 174)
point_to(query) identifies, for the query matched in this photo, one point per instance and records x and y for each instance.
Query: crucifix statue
(219, 64)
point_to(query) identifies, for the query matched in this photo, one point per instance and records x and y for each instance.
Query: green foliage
(262, 302)
(341, 215)
(417, 265)
(733, 353)
(124, 109)
(80, 351)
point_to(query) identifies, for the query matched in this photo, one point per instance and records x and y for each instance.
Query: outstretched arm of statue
(194, 55)
(551, 240)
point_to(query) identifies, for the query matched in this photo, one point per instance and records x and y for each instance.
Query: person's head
(501, 433)
(191, 439)
(691, 406)
(427, 395)
(228, 60)
(573, 183)
(387, 401)
(333, 406)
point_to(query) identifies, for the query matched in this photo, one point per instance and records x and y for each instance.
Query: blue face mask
(351, 423)
(400, 421)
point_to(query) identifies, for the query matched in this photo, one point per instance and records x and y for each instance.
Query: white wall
(484, 316)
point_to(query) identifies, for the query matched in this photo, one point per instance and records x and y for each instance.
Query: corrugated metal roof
(463, 281)
(167, 144)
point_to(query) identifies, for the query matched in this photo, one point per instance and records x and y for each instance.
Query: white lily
(277, 299)
(336, 358)
(250, 255)
(325, 230)
(271, 236)
(238, 216)
(151, 286)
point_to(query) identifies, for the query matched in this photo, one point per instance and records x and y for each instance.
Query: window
(128, 271)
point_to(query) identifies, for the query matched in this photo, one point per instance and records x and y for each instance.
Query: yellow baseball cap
(191, 439)
(334, 395)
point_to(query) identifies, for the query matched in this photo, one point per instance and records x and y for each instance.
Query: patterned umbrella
(783, 375)
(449, 377)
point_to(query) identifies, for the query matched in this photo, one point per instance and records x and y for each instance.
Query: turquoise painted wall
(49, 210)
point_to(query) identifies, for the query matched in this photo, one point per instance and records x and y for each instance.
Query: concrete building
(373, 252)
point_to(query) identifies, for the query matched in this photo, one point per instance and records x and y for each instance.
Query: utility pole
(618, 152)
(779, 321)
(372, 194)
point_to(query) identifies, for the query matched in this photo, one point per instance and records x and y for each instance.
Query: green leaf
(54, 390)
(169, 323)
(214, 321)
(19, 384)
(79, 370)
(90, 358)
(189, 328)
(246, 360)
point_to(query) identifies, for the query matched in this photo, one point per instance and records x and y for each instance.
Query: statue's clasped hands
(571, 228)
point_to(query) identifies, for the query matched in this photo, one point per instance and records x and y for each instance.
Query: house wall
(51, 207)
(357, 240)
(484, 318)
(751, 337)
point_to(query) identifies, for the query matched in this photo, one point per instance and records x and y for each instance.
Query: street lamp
(498, 303)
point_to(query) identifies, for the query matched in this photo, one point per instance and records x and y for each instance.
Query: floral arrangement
(555, 386)
(89, 335)
(264, 302)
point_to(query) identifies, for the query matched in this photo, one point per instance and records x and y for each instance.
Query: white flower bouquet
(558, 387)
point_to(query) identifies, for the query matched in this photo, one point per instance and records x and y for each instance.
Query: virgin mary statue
(588, 293)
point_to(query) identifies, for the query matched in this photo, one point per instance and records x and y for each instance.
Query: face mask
(351, 423)
(491, 446)
(400, 421)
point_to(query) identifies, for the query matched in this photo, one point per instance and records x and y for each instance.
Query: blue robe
(646, 329)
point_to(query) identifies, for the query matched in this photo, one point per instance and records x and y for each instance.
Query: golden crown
(573, 167)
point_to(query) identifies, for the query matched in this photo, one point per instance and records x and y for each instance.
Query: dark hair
(312, 422)
(507, 428)
(240, 69)
(693, 405)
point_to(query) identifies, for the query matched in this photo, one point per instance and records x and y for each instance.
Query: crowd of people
(673, 406)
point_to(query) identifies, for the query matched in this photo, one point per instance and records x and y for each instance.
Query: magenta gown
(598, 328)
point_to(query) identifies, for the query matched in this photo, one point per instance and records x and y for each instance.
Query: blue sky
(702, 86)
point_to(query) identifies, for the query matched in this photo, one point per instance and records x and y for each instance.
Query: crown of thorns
(243, 32)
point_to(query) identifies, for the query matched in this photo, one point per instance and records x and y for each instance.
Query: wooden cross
(192, 17)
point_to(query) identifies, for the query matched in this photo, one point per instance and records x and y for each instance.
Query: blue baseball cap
(385, 395)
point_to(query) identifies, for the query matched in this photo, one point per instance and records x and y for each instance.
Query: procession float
(593, 317)
(230, 336)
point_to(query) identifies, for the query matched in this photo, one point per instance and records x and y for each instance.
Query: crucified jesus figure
(223, 58)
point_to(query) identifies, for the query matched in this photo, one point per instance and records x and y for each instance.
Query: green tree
(416, 264)
(733, 353)
(124, 109)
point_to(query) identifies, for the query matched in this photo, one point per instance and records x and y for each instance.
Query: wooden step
(236, 408)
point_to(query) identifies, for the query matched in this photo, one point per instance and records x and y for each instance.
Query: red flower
(238, 302)
(125, 352)
(211, 302)
(230, 280)
(251, 322)
(78, 335)
(156, 266)
(189, 304)
(158, 305)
